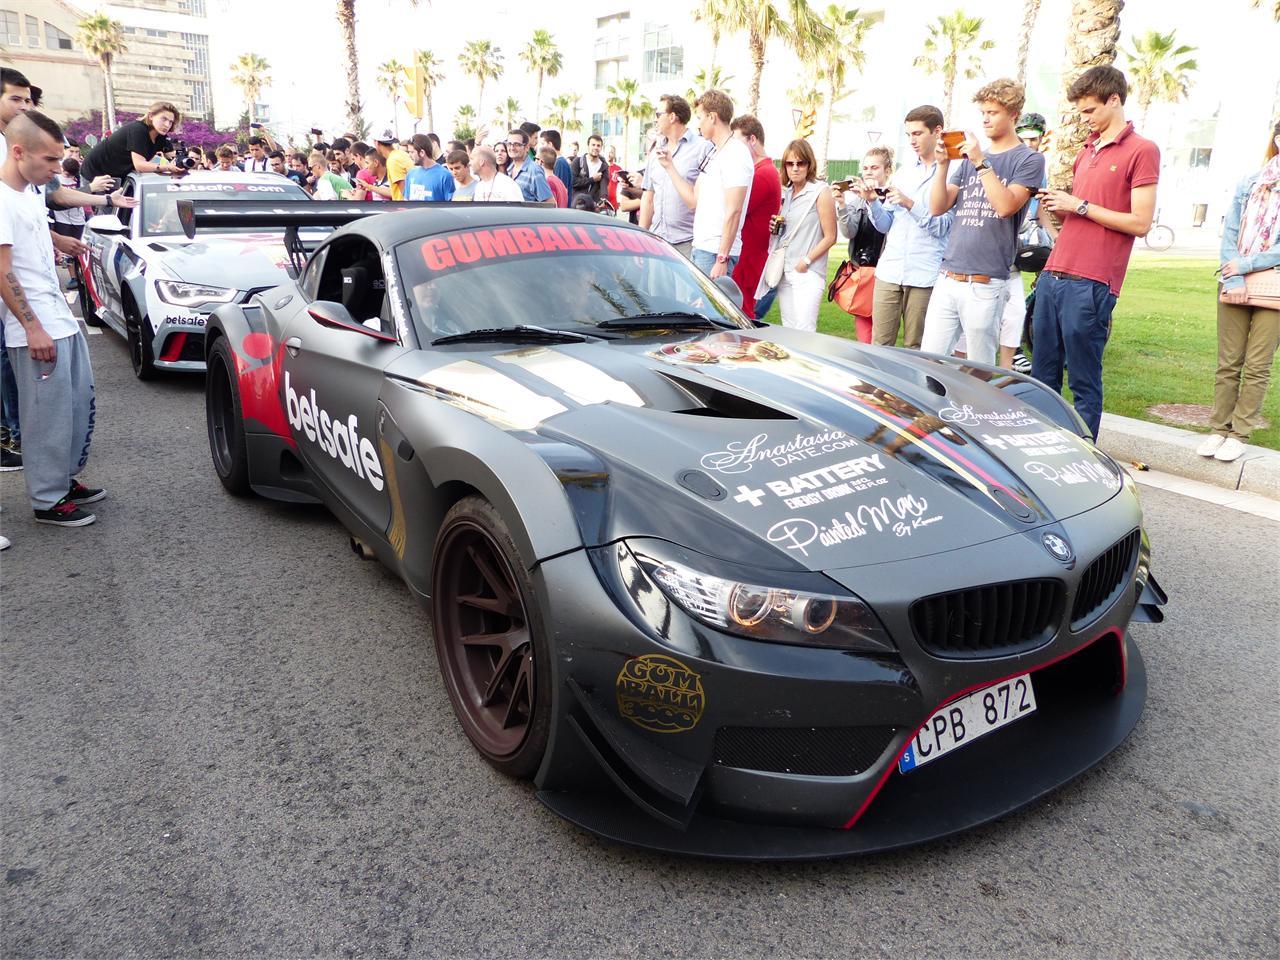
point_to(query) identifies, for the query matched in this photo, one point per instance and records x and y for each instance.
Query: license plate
(961, 722)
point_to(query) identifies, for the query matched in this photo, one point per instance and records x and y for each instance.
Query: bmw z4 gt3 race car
(151, 284)
(717, 587)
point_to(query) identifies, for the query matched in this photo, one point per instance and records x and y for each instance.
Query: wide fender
(440, 453)
(231, 321)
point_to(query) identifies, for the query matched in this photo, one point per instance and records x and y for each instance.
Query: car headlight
(773, 614)
(182, 294)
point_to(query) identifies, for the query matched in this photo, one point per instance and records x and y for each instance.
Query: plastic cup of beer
(952, 139)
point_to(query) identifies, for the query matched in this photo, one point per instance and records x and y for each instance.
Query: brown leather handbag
(1262, 289)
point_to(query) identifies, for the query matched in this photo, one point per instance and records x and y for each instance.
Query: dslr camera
(180, 158)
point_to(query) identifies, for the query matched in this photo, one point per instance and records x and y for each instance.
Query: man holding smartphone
(1112, 201)
(47, 351)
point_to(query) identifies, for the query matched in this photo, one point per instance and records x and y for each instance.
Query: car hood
(792, 448)
(243, 261)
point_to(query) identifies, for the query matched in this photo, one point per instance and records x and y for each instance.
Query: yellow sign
(660, 693)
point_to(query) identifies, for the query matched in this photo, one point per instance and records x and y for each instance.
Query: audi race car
(148, 282)
(716, 587)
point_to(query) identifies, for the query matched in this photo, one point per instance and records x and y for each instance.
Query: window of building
(614, 22)
(157, 33)
(33, 31)
(55, 39)
(193, 7)
(198, 45)
(663, 60)
(159, 68)
(608, 71)
(130, 30)
(606, 125)
(9, 27)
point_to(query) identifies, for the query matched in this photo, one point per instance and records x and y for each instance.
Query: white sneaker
(1230, 450)
(1209, 446)
(4, 542)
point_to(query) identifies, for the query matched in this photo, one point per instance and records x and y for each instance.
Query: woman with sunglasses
(805, 231)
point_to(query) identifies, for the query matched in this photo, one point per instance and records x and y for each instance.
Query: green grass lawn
(1164, 341)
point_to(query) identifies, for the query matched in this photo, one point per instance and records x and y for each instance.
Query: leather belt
(1065, 276)
(969, 277)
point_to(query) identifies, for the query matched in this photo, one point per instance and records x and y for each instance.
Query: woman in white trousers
(809, 231)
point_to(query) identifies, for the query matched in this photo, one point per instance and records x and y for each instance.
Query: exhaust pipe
(361, 549)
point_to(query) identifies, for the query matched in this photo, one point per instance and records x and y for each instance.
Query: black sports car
(717, 587)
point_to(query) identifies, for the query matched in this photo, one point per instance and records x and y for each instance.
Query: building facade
(166, 55)
(38, 38)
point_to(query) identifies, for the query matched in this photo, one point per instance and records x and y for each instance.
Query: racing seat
(363, 291)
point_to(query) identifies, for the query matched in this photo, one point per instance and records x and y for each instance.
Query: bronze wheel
(488, 639)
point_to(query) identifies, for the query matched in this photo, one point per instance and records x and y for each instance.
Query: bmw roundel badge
(1059, 548)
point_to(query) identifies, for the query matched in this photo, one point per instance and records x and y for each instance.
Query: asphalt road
(224, 735)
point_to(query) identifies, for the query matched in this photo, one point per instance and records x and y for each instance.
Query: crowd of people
(935, 244)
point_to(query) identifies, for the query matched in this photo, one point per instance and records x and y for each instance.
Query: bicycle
(1160, 236)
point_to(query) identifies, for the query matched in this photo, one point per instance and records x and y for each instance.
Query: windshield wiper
(523, 331)
(674, 318)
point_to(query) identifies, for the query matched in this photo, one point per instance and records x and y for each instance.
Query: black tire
(88, 313)
(141, 356)
(225, 420)
(509, 675)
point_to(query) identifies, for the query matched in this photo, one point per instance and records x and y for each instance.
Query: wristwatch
(1083, 209)
(110, 202)
(807, 262)
(984, 166)
(721, 258)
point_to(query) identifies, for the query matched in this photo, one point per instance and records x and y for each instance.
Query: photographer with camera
(138, 146)
(865, 239)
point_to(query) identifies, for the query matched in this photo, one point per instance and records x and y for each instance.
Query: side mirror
(327, 313)
(106, 223)
(729, 287)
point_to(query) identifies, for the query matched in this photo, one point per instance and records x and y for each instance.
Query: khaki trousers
(1247, 340)
(893, 306)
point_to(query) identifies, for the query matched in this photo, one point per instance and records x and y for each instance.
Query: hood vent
(713, 402)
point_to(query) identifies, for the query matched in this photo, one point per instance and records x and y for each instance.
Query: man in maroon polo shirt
(765, 200)
(1112, 201)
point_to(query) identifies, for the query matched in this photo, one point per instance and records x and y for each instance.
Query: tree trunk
(108, 118)
(1092, 33)
(626, 136)
(826, 135)
(395, 115)
(950, 68)
(537, 103)
(480, 102)
(756, 44)
(431, 113)
(347, 21)
(1030, 10)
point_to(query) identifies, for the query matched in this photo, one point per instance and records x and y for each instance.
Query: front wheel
(141, 356)
(226, 420)
(490, 641)
(1159, 237)
(88, 312)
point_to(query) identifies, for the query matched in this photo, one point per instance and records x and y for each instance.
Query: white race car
(144, 278)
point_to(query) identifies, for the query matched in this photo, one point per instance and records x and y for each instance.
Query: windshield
(564, 276)
(159, 208)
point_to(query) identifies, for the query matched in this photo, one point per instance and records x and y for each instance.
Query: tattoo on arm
(16, 300)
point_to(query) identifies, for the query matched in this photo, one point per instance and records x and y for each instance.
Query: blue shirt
(434, 183)
(672, 217)
(915, 241)
(532, 181)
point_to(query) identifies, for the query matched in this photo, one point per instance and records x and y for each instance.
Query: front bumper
(664, 777)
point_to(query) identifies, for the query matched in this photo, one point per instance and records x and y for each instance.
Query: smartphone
(256, 126)
(316, 131)
(842, 185)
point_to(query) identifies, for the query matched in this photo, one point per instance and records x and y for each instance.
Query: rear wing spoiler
(289, 215)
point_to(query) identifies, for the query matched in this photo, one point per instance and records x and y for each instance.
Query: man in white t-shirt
(719, 194)
(47, 352)
(490, 184)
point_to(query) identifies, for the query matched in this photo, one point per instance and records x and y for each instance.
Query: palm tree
(347, 23)
(251, 73)
(1275, 8)
(708, 79)
(714, 15)
(1030, 10)
(432, 77)
(1159, 69)
(1092, 32)
(542, 57)
(509, 114)
(564, 113)
(391, 82)
(848, 31)
(464, 122)
(802, 30)
(481, 59)
(624, 100)
(103, 38)
(946, 52)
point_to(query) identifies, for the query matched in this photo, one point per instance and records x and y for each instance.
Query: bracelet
(110, 202)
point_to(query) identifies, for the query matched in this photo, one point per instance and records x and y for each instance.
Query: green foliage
(482, 61)
(948, 50)
(1159, 68)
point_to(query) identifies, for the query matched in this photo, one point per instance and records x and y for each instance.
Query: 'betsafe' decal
(338, 438)
(472, 246)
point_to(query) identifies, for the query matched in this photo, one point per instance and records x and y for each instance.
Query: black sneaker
(64, 513)
(10, 460)
(79, 493)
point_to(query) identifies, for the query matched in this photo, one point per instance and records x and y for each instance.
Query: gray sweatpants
(57, 419)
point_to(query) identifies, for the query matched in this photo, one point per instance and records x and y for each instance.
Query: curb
(1173, 451)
